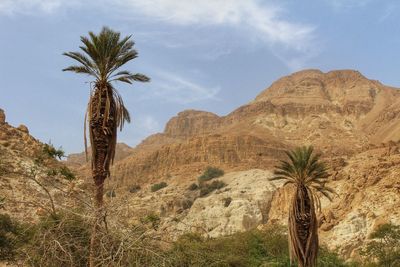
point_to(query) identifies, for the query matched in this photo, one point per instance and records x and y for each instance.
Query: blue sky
(212, 55)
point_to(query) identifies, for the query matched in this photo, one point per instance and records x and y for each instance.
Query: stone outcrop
(192, 122)
(242, 205)
(23, 129)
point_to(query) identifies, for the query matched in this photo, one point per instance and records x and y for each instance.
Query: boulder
(23, 128)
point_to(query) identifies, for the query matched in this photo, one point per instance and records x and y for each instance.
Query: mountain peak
(191, 122)
(316, 88)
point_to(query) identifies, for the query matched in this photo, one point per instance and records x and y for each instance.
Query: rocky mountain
(24, 178)
(353, 121)
(340, 112)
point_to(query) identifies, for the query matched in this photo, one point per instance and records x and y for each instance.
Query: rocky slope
(24, 169)
(352, 120)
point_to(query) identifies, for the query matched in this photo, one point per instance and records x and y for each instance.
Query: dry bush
(61, 237)
(63, 240)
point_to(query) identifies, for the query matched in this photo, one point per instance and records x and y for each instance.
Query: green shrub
(156, 187)
(330, 259)
(210, 173)
(248, 249)
(193, 187)
(66, 173)
(52, 152)
(207, 188)
(134, 188)
(384, 246)
(267, 247)
(63, 171)
(217, 184)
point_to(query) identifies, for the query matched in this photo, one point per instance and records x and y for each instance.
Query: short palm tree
(103, 55)
(308, 175)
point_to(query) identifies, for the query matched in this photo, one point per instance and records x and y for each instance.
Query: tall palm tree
(103, 55)
(308, 175)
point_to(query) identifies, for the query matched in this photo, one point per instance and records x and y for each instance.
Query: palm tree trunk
(98, 218)
(101, 139)
(303, 229)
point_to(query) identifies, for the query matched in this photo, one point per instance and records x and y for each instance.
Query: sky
(212, 55)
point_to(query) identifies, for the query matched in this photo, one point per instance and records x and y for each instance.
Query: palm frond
(101, 56)
(79, 69)
(129, 78)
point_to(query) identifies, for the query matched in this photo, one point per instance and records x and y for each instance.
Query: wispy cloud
(347, 4)
(263, 21)
(174, 88)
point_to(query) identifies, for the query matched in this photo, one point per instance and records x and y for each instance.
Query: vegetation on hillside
(64, 241)
(207, 188)
(384, 246)
(52, 152)
(210, 173)
(159, 186)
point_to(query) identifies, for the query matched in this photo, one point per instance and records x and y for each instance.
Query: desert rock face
(193, 155)
(23, 198)
(242, 205)
(353, 121)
